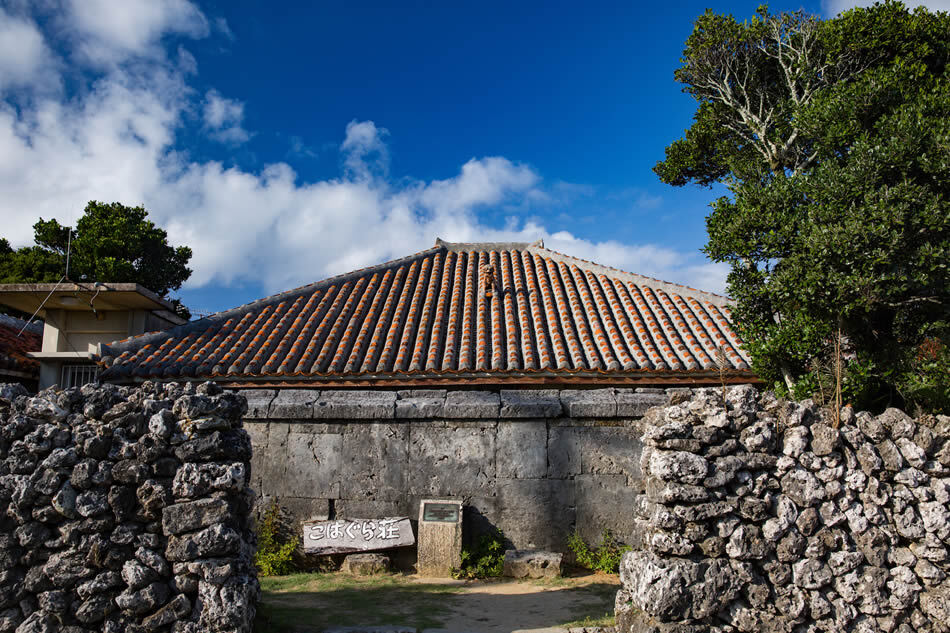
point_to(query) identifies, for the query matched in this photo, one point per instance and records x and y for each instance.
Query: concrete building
(506, 375)
(78, 318)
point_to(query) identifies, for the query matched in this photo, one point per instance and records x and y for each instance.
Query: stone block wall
(125, 510)
(534, 463)
(764, 517)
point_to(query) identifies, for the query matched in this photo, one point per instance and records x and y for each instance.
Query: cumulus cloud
(834, 7)
(25, 58)
(108, 32)
(116, 140)
(364, 151)
(223, 118)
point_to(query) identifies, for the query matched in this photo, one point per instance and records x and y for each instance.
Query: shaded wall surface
(762, 515)
(533, 463)
(125, 510)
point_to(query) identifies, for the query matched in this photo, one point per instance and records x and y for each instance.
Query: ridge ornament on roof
(457, 313)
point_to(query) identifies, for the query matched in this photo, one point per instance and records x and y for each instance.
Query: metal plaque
(440, 512)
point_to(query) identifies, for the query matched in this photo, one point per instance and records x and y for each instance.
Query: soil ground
(314, 603)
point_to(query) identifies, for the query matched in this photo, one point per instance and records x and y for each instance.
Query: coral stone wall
(125, 510)
(766, 518)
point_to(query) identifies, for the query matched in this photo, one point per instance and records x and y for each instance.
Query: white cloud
(24, 57)
(116, 140)
(221, 26)
(223, 118)
(834, 7)
(364, 150)
(110, 31)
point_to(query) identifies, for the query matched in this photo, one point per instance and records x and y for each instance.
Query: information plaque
(439, 550)
(441, 512)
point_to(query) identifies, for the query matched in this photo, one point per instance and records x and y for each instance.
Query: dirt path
(521, 607)
(338, 603)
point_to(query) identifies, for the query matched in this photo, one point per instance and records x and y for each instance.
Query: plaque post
(440, 537)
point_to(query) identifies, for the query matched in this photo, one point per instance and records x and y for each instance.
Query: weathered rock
(83, 482)
(532, 564)
(194, 515)
(217, 540)
(368, 564)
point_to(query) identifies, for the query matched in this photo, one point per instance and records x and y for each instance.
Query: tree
(833, 140)
(111, 243)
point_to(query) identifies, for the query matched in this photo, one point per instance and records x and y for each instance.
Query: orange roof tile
(15, 345)
(433, 314)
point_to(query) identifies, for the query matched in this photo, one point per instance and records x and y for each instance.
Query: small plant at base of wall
(485, 560)
(275, 554)
(605, 557)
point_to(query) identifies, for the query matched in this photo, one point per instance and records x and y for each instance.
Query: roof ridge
(712, 297)
(485, 246)
(15, 322)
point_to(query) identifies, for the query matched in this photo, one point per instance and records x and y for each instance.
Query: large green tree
(832, 138)
(110, 243)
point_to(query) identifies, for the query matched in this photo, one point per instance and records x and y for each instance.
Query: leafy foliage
(604, 557)
(275, 551)
(833, 140)
(485, 560)
(111, 243)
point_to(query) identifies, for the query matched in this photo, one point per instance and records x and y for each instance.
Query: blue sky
(289, 143)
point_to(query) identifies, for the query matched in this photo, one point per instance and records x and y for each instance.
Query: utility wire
(69, 240)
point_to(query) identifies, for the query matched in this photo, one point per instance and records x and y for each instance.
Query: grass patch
(312, 602)
(605, 620)
(599, 611)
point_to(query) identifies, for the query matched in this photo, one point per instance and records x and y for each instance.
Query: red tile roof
(14, 347)
(429, 315)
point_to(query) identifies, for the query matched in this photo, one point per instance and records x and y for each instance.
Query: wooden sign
(358, 535)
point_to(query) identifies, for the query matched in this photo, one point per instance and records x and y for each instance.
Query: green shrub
(485, 560)
(605, 557)
(275, 551)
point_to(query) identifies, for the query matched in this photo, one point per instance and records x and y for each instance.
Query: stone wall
(125, 510)
(534, 463)
(766, 518)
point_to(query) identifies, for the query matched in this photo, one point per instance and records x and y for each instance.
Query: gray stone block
(528, 403)
(370, 508)
(420, 403)
(366, 564)
(258, 402)
(521, 450)
(472, 404)
(293, 404)
(605, 501)
(355, 405)
(536, 513)
(589, 403)
(613, 450)
(634, 404)
(298, 509)
(258, 432)
(451, 461)
(267, 462)
(521, 563)
(375, 461)
(312, 465)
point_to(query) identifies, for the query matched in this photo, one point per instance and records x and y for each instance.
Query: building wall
(534, 463)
